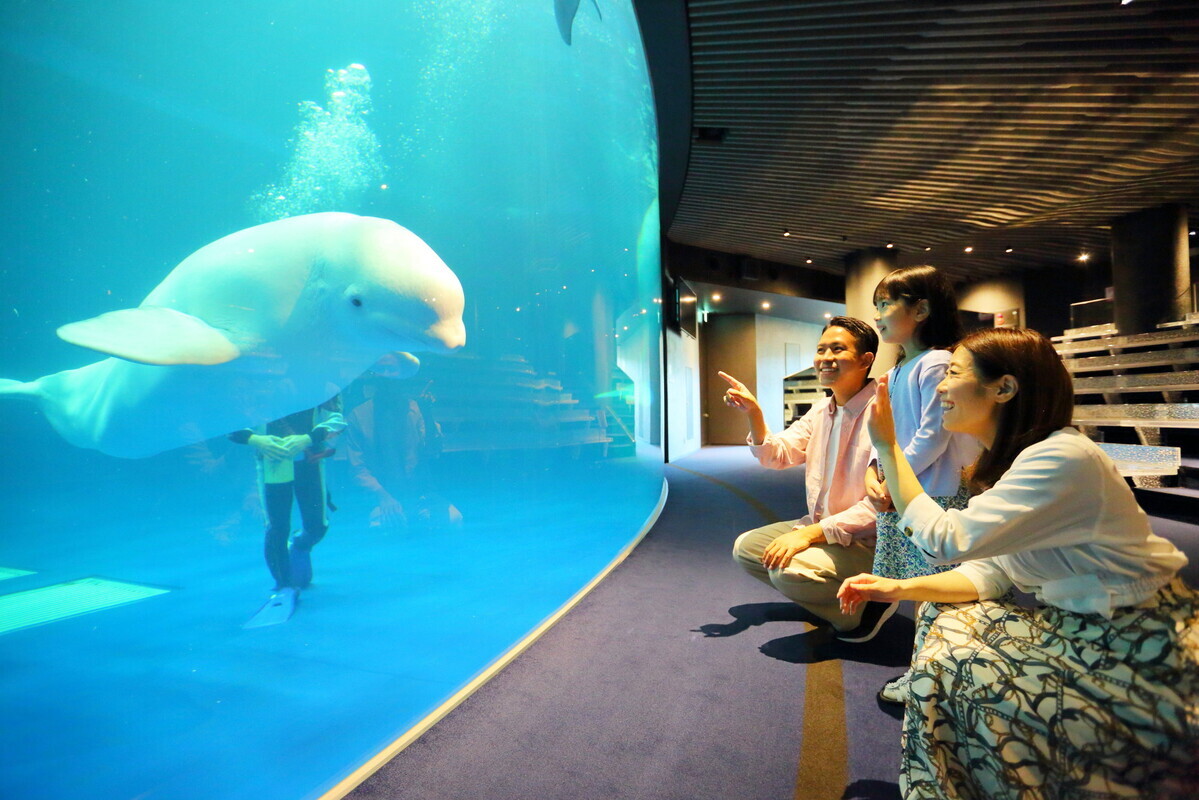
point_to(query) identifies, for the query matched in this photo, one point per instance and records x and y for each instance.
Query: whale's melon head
(403, 295)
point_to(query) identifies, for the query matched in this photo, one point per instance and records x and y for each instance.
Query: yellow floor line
(823, 768)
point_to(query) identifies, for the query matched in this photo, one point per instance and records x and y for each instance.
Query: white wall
(683, 424)
(772, 337)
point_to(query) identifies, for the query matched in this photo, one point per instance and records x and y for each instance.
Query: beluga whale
(254, 326)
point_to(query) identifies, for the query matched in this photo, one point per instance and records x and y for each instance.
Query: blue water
(502, 477)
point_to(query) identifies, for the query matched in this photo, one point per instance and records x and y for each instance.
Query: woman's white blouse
(1061, 523)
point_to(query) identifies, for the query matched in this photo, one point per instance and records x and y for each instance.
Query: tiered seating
(800, 391)
(506, 404)
(1143, 382)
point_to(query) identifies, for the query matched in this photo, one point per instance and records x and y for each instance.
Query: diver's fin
(277, 609)
(152, 335)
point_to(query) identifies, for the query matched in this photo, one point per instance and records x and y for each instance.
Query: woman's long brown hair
(1044, 400)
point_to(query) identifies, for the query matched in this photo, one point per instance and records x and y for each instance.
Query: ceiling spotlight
(765, 305)
(828, 315)
(786, 233)
(927, 249)
(890, 245)
(808, 261)
(1008, 250)
(716, 298)
(1192, 233)
(969, 250)
(1084, 257)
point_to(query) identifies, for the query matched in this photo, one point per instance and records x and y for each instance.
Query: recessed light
(927, 249)
(808, 261)
(890, 245)
(716, 298)
(969, 250)
(828, 315)
(1008, 250)
(1084, 257)
(765, 304)
(786, 233)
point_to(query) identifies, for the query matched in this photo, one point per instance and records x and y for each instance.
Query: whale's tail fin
(18, 389)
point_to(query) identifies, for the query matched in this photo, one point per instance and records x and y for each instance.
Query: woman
(1095, 693)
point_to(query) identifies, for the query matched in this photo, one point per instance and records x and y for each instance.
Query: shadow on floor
(871, 790)
(751, 615)
(892, 647)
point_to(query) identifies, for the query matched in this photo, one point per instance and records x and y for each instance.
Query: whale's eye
(356, 301)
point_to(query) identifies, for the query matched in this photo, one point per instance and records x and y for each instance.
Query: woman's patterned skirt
(1045, 704)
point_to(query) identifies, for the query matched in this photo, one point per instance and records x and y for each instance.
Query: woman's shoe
(895, 691)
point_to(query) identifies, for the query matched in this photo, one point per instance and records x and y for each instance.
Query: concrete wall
(863, 270)
(991, 296)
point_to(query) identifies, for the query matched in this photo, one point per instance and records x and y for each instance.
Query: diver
(290, 454)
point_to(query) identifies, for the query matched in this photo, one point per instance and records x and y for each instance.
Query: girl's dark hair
(864, 336)
(942, 327)
(1044, 400)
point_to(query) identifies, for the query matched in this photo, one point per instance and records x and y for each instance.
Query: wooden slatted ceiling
(1021, 125)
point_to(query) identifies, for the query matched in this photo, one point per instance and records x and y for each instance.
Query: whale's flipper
(564, 12)
(152, 335)
(20, 389)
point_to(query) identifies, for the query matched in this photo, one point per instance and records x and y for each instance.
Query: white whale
(262, 323)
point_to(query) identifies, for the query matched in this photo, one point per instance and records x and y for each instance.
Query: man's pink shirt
(845, 515)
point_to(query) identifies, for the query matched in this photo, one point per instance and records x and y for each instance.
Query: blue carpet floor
(680, 678)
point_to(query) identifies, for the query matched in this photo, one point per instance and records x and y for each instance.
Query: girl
(1093, 693)
(915, 307)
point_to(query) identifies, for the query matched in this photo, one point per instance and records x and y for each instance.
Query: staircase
(1138, 396)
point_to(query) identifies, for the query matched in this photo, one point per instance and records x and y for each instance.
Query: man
(806, 559)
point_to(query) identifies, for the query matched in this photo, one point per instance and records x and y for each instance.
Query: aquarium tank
(330, 366)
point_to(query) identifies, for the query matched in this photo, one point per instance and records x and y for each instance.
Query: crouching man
(807, 559)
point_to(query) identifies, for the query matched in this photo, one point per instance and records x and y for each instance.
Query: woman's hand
(881, 423)
(738, 396)
(861, 588)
